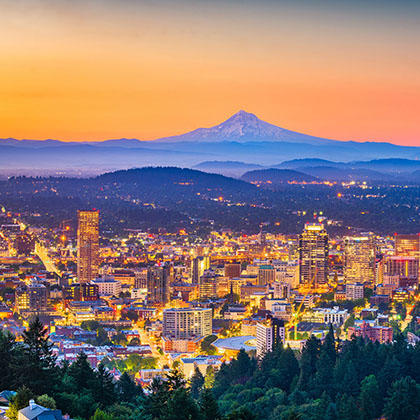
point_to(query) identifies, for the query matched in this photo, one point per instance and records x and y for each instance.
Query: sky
(80, 70)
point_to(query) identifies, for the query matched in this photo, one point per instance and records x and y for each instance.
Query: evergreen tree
(196, 383)
(308, 362)
(103, 388)
(7, 360)
(82, 373)
(241, 414)
(36, 364)
(181, 406)
(403, 400)
(209, 408)
(369, 398)
(347, 408)
(127, 388)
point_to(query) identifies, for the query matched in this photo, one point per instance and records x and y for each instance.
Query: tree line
(327, 380)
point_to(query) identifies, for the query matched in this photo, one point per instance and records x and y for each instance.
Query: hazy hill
(242, 137)
(269, 177)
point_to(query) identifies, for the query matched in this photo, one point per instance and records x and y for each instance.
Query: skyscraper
(198, 266)
(359, 259)
(158, 282)
(313, 255)
(87, 245)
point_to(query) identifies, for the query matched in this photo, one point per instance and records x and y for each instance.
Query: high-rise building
(187, 323)
(158, 282)
(313, 255)
(359, 259)
(271, 333)
(198, 266)
(87, 245)
(407, 245)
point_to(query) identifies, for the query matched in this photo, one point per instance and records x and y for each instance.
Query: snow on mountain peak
(241, 127)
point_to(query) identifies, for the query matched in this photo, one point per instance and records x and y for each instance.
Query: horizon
(345, 71)
(201, 127)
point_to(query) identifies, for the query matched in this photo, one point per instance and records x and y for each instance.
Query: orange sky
(100, 69)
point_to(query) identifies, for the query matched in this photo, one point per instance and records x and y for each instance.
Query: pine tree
(196, 383)
(370, 398)
(127, 388)
(403, 401)
(36, 364)
(241, 414)
(181, 406)
(82, 373)
(347, 408)
(7, 360)
(103, 389)
(209, 408)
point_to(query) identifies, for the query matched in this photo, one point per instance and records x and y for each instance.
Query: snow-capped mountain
(244, 127)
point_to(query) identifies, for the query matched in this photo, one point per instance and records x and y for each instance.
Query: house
(37, 412)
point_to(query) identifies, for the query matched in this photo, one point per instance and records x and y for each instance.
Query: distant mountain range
(243, 138)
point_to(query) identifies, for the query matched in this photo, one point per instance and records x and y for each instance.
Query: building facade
(87, 245)
(313, 255)
(187, 323)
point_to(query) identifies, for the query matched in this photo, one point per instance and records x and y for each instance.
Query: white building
(108, 286)
(270, 334)
(354, 291)
(187, 323)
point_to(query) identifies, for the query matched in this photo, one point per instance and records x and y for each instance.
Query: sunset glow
(94, 70)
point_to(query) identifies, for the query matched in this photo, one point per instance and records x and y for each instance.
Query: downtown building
(31, 299)
(359, 259)
(313, 256)
(271, 334)
(158, 285)
(184, 328)
(87, 245)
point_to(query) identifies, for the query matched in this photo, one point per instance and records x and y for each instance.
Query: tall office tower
(187, 323)
(407, 245)
(158, 283)
(232, 270)
(198, 266)
(87, 245)
(359, 259)
(313, 255)
(270, 334)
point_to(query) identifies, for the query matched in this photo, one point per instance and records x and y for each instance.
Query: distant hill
(331, 173)
(272, 177)
(228, 168)
(242, 137)
(173, 179)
